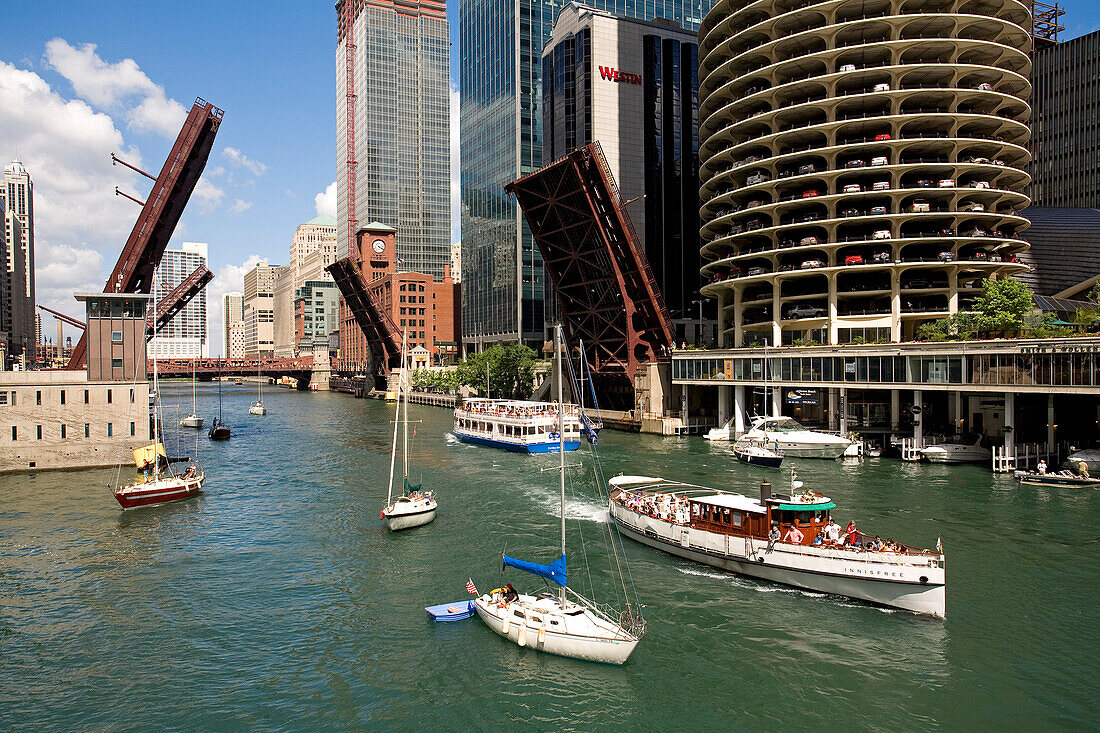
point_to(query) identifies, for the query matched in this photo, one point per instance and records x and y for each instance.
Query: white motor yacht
(957, 452)
(723, 433)
(793, 440)
(1090, 457)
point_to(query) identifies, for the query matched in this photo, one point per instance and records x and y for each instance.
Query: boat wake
(763, 586)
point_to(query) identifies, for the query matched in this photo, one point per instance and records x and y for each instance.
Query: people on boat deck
(832, 531)
(510, 594)
(794, 534)
(820, 538)
(852, 534)
(773, 534)
(1042, 467)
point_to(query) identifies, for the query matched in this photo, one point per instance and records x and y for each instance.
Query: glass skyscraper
(402, 127)
(184, 337)
(501, 117)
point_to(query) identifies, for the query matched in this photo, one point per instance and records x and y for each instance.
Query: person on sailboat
(510, 594)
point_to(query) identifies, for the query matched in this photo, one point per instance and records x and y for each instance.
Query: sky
(80, 80)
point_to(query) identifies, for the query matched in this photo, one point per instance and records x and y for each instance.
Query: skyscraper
(185, 335)
(402, 127)
(18, 194)
(632, 85)
(233, 325)
(502, 140)
(259, 310)
(1065, 129)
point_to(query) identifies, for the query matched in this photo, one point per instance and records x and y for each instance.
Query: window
(38, 397)
(131, 397)
(62, 431)
(3, 398)
(131, 430)
(85, 397)
(108, 397)
(13, 398)
(87, 430)
(110, 429)
(62, 396)
(38, 432)
(116, 363)
(116, 337)
(14, 433)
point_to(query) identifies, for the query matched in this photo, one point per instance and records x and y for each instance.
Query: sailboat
(413, 507)
(753, 450)
(257, 407)
(158, 482)
(559, 622)
(193, 420)
(219, 430)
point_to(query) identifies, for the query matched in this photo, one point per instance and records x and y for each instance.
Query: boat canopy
(410, 488)
(806, 507)
(555, 571)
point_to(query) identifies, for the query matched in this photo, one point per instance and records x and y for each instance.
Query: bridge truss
(608, 295)
(161, 211)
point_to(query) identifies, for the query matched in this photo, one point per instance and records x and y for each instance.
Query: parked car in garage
(920, 206)
(882, 136)
(946, 256)
(878, 210)
(880, 186)
(806, 241)
(849, 212)
(811, 264)
(882, 234)
(946, 183)
(855, 163)
(852, 188)
(880, 160)
(810, 193)
(853, 260)
(805, 311)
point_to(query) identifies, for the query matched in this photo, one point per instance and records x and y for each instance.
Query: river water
(276, 600)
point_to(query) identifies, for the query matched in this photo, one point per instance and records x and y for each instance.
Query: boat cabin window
(804, 518)
(782, 425)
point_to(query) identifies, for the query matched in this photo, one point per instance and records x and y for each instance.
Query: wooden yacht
(738, 533)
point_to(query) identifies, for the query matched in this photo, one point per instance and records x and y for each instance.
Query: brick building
(426, 309)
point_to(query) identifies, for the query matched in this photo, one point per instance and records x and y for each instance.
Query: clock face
(379, 246)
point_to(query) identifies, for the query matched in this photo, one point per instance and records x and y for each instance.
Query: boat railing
(634, 624)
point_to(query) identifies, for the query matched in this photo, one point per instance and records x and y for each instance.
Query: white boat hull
(606, 649)
(956, 454)
(254, 410)
(408, 514)
(791, 449)
(873, 577)
(191, 421)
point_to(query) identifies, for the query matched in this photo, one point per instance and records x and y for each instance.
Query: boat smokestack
(765, 491)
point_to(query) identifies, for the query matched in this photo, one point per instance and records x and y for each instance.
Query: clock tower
(376, 245)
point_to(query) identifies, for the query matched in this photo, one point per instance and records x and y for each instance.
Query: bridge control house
(82, 418)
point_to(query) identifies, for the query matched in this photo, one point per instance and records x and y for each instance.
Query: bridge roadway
(300, 368)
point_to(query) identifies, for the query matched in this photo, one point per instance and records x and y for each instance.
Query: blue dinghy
(451, 611)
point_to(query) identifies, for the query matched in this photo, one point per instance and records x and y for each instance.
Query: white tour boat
(738, 533)
(562, 622)
(413, 507)
(957, 452)
(517, 425)
(788, 437)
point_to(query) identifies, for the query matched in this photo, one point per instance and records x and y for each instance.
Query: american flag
(470, 588)
(939, 546)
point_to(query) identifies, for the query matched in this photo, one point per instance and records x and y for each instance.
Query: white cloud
(119, 87)
(207, 196)
(158, 114)
(456, 169)
(325, 202)
(227, 279)
(67, 146)
(239, 159)
(240, 206)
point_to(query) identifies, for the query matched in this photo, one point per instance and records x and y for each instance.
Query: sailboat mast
(561, 440)
(192, 386)
(403, 392)
(396, 420)
(156, 417)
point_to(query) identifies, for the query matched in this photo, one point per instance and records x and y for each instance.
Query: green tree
(1004, 305)
(510, 370)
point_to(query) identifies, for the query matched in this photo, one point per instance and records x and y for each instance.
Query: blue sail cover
(555, 571)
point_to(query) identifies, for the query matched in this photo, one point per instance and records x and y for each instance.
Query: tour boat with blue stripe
(776, 538)
(517, 425)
